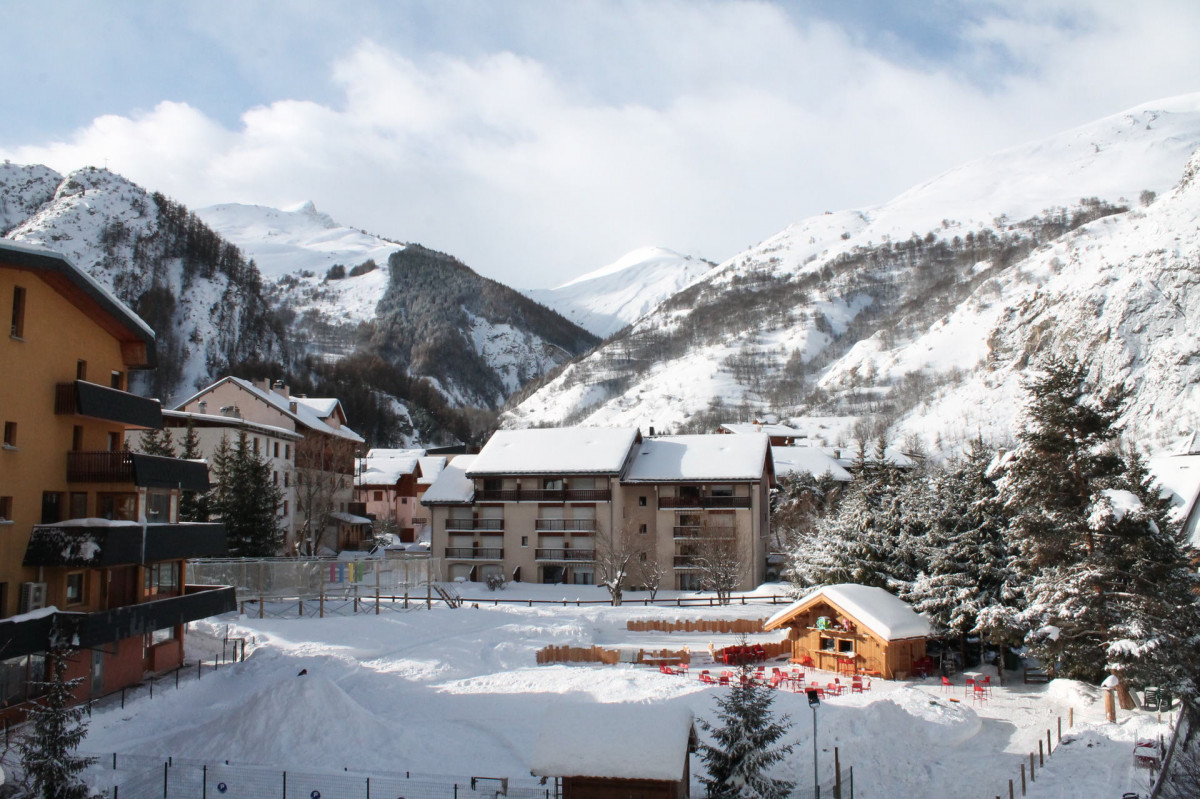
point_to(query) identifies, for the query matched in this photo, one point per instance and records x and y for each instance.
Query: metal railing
(473, 524)
(565, 554)
(475, 553)
(543, 495)
(704, 502)
(565, 525)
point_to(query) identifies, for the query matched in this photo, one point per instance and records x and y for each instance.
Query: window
(5, 515)
(642, 557)
(492, 484)
(552, 484)
(158, 506)
(10, 435)
(379, 496)
(162, 579)
(287, 451)
(643, 529)
(117, 381)
(117, 506)
(75, 588)
(641, 502)
(160, 636)
(285, 507)
(114, 441)
(77, 438)
(18, 312)
(274, 478)
(254, 444)
(51, 507)
(722, 491)
(276, 449)
(81, 370)
(524, 540)
(287, 479)
(78, 505)
(403, 500)
(845, 646)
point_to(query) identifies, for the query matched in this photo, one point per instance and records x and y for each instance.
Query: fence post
(1010, 790)
(1032, 773)
(1041, 758)
(1070, 717)
(837, 774)
(284, 794)
(300, 602)
(166, 766)
(204, 782)
(1022, 779)
(1060, 729)
(377, 596)
(322, 602)
(1049, 748)
(261, 607)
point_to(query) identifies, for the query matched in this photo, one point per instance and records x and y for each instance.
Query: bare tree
(616, 556)
(715, 554)
(651, 572)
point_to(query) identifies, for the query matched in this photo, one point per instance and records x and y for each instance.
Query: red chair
(978, 694)
(776, 679)
(856, 685)
(725, 675)
(969, 686)
(705, 677)
(986, 685)
(946, 684)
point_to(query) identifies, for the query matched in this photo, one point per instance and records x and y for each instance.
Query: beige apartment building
(545, 505)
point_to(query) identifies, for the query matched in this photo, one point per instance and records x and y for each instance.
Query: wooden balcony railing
(565, 525)
(694, 532)
(106, 466)
(565, 554)
(475, 553)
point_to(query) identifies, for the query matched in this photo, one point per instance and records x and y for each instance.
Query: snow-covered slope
(880, 309)
(607, 299)
(202, 299)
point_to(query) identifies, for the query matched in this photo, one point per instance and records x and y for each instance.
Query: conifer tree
(52, 768)
(192, 504)
(745, 744)
(246, 499)
(158, 442)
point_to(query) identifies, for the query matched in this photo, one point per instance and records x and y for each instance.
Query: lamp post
(813, 701)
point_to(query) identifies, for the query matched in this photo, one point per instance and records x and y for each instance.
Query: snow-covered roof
(349, 518)
(777, 430)
(699, 457)
(383, 452)
(1177, 473)
(810, 460)
(384, 471)
(303, 413)
(846, 455)
(452, 486)
(883, 613)
(555, 450)
(431, 465)
(321, 406)
(595, 740)
(212, 419)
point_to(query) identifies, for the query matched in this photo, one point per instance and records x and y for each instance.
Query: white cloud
(701, 127)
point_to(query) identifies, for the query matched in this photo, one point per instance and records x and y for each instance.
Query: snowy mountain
(606, 300)
(895, 310)
(203, 300)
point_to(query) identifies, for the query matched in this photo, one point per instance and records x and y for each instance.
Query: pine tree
(158, 442)
(58, 727)
(745, 744)
(192, 504)
(246, 499)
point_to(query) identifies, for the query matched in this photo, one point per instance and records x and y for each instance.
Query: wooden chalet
(854, 629)
(616, 751)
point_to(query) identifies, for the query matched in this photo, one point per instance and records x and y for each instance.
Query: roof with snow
(304, 413)
(595, 740)
(776, 430)
(374, 470)
(83, 291)
(452, 486)
(556, 450)
(883, 613)
(216, 420)
(430, 466)
(808, 460)
(349, 518)
(699, 457)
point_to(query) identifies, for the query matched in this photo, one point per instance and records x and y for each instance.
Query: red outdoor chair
(986, 685)
(856, 686)
(705, 677)
(946, 684)
(776, 679)
(969, 686)
(978, 694)
(725, 678)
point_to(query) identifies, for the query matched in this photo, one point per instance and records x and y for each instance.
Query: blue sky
(540, 140)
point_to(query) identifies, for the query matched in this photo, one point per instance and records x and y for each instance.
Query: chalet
(322, 477)
(389, 485)
(591, 753)
(91, 550)
(780, 434)
(808, 460)
(854, 628)
(535, 505)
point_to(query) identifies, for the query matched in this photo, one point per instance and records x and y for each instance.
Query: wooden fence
(696, 625)
(609, 657)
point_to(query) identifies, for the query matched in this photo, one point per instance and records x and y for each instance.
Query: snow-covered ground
(457, 692)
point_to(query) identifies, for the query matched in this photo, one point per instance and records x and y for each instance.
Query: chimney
(292, 406)
(280, 388)
(203, 406)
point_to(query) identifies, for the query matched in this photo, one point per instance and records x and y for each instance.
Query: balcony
(543, 495)
(109, 626)
(565, 554)
(475, 553)
(692, 533)
(473, 524)
(565, 525)
(687, 562)
(122, 543)
(121, 466)
(703, 502)
(112, 405)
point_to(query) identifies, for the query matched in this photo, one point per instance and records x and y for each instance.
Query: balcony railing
(473, 524)
(693, 532)
(565, 554)
(101, 402)
(565, 525)
(475, 553)
(704, 502)
(108, 466)
(121, 544)
(543, 495)
(686, 562)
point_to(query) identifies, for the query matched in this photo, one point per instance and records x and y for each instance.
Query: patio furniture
(978, 694)
(706, 678)
(1146, 754)
(946, 684)
(1150, 698)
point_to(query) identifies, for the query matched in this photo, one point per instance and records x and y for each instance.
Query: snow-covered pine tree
(745, 744)
(52, 769)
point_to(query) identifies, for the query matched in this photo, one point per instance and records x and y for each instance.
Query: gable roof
(303, 413)
(776, 430)
(556, 450)
(85, 293)
(452, 485)
(707, 458)
(810, 460)
(594, 740)
(883, 613)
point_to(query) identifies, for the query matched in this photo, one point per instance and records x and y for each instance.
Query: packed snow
(457, 692)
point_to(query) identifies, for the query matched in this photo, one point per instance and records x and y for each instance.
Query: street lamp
(814, 699)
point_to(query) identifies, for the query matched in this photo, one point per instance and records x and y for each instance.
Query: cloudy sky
(539, 140)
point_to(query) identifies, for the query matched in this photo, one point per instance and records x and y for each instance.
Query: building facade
(90, 548)
(559, 505)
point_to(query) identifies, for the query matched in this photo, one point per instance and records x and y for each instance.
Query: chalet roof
(555, 450)
(776, 430)
(349, 518)
(375, 470)
(707, 458)
(302, 413)
(810, 460)
(83, 291)
(452, 486)
(883, 613)
(431, 465)
(594, 740)
(236, 422)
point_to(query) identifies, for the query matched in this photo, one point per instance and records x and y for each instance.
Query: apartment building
(542, 505)
(389, 485)
(91, 551)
